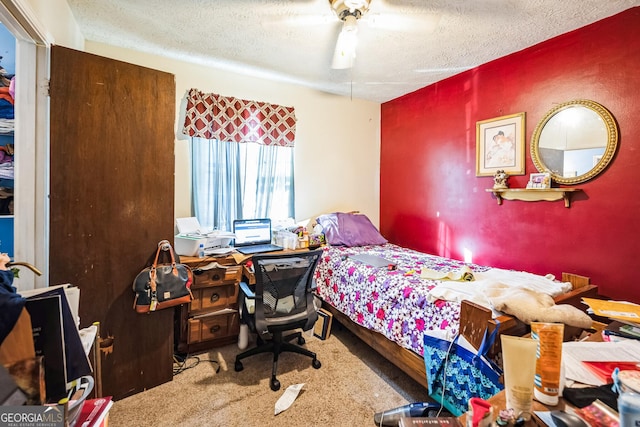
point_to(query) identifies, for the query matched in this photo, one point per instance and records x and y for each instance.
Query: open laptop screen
(252, 231)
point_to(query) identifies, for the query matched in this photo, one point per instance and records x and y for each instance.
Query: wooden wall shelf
(534, 194)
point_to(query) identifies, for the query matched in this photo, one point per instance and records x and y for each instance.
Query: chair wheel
(238, 366)
(316, 364)
(301, 340)
(275, 384)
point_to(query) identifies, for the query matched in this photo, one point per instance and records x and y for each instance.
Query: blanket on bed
(531, 306)
(526, 296)
(396, 301)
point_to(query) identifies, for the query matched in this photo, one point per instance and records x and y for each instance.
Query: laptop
(253, 236)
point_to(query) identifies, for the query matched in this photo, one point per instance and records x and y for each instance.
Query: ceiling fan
(349, 12)
(409, 17)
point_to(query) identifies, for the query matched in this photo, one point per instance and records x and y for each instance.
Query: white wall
(55, 19)
(337, 139)
(337, 164)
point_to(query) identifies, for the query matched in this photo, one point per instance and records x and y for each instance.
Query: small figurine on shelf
(500, 180)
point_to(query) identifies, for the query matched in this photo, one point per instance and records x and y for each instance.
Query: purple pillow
(350, 230)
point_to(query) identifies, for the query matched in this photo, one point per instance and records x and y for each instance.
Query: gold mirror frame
(607, 156)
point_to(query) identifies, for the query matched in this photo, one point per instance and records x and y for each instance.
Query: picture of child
(501, 151)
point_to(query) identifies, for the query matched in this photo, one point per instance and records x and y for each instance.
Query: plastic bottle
(243, 337)
(201, 250)
(629, 408)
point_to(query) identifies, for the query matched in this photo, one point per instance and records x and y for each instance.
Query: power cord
(444, 375)
(179, 366)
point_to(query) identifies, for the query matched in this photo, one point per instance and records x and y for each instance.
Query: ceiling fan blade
(299, 21)
(423, 22)
(345, 51)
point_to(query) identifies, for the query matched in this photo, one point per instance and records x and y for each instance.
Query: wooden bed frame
(474, 319)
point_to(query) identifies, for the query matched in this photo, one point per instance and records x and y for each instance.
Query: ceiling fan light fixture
(350, 24)
(349, 11)
(345, 52)
(361, 5)
(344, 8)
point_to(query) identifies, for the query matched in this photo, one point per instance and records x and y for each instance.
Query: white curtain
(241, 180)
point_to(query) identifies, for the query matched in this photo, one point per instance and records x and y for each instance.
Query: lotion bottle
(519, 361)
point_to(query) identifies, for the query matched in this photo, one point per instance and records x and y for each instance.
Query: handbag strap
(163, 245)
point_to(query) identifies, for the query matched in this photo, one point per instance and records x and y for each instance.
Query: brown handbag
(162, 285)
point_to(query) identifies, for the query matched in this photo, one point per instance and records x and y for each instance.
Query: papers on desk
(618, 310)
(576, 352)
(213, 265)
(545, 417)
(219, 251)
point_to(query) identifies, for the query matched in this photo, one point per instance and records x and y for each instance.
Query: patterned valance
(212, 116)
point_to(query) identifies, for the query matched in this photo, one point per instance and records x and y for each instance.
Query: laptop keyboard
(246, 250)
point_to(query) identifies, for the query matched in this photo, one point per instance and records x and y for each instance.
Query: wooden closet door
(111, 202)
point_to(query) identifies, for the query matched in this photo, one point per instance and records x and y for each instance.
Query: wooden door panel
(111, 201)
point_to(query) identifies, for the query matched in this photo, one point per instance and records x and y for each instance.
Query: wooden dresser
(212, 318)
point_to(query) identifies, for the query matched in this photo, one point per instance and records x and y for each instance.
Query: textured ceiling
(403, 44)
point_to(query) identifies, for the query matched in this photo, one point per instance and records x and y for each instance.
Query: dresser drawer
(214, 298)
(213, 327)
(216, 277)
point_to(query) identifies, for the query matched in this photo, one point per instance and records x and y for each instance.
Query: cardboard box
(322, 328)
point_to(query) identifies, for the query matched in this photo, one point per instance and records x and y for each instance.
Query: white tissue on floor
(288, 397)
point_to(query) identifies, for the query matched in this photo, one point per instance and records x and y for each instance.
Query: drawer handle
(215, 297)
(214, 329)
(216, 276)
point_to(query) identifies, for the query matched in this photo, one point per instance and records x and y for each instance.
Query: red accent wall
(432, 201)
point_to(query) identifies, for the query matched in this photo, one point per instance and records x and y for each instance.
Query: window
(241, 180)
(242, 158)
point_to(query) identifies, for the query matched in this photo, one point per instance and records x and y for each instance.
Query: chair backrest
(284, 291)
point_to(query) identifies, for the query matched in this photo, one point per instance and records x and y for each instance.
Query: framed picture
(500, 145)
(539, 180)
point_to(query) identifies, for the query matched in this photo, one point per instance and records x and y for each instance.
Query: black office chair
(283, 302)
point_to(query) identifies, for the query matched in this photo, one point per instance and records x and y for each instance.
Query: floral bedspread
(391, 302)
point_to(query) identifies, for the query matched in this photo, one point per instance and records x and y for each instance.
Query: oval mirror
(574, 141)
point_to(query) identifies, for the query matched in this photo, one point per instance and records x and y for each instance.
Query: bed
(378, 290)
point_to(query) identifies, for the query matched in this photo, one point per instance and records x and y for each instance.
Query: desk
(212, 318)
(499, 400)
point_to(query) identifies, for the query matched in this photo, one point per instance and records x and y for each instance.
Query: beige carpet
(353, 383)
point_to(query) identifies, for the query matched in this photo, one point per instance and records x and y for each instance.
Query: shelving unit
(7, 181)
(535, 194)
